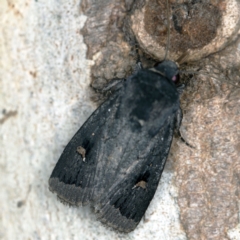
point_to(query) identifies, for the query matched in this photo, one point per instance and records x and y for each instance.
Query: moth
(115, 160)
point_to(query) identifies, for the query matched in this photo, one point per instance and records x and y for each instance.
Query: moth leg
(103, 93)
(112, 86)
(179, 116)
(180, 88)
(178, 120)
(189, 145)
(116, 83)
(138, 67)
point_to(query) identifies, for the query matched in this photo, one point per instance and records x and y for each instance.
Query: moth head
(168, 69)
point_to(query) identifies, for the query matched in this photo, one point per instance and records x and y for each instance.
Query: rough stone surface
(44, 99)
(207, 175)
(197, 28)
(107, 45)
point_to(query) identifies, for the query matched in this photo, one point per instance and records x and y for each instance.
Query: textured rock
(197, 28)
(208, 175)
(103, 33)
(44, 99)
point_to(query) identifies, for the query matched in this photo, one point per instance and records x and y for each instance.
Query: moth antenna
(209, 75)
(168, 31)
(192, 72)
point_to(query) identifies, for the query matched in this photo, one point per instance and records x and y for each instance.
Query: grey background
(44, 99)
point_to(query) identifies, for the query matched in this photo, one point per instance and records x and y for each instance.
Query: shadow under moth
(115, 161)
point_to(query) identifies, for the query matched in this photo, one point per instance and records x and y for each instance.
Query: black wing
(127, 140)
(73, 176)
(126, 201)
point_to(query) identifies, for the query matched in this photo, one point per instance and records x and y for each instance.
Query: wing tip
(108, 215)
(111, 217)
(68, 194)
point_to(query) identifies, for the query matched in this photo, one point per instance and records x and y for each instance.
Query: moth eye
(176, 78)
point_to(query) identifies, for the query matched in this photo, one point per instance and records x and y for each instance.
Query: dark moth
(115, 161)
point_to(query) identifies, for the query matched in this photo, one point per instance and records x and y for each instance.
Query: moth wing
(73, 176)
(125, 203)
(126, 142)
